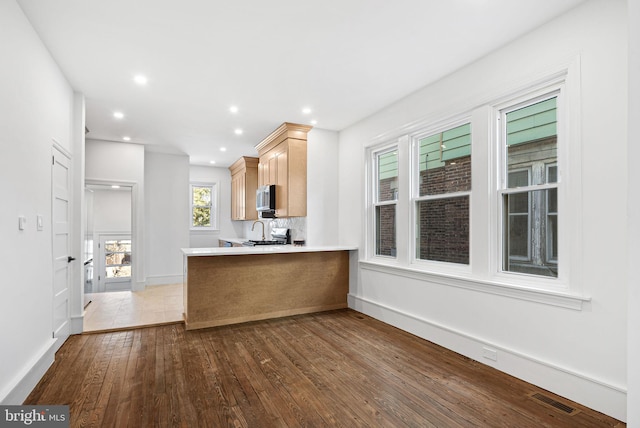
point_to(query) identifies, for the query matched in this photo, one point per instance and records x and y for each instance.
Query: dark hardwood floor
(336, 368)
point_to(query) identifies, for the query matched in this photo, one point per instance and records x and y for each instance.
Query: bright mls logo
(34, 416)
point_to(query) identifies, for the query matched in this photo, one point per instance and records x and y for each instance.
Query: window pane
(552, 225)
(201, 196)
(552, 174)
(531, 236)
(443, 230)
(519, 178)
(519, 236)
(532, 141)
(118, 246)
(118, 258)
(201, 217)
(519, 203)
(119, 272)
(388, 176)
(386, 230)
(445, 162)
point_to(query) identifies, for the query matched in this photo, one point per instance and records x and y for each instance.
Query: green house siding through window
(528, 124)
(448, 145)
(388, 165)
(532, 123)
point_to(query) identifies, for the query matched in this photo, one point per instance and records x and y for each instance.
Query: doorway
(108, 243)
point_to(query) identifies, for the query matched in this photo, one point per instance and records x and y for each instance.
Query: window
(509, 225)
(529, 190)
(203, 206)
(442, 195)
(385, 200)
(117, 258)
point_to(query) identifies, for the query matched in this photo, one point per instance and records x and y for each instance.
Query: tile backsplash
(297, 226)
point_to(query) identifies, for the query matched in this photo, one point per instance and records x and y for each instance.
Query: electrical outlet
(489, 353)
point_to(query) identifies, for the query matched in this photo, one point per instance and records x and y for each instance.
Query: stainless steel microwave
(266, 198)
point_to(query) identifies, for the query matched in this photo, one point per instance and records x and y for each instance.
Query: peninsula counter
(228, 285)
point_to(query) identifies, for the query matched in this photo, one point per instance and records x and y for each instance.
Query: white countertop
(262, 249)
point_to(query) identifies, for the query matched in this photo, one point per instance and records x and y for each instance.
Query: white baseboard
(77, 324)
(164, 280)
(590, 392)
(23, 383)
(138, 286)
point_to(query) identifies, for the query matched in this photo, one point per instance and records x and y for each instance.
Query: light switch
(22, 221)
(40, 222)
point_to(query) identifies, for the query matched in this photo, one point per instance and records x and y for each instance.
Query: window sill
(553, 298)
(204, 231)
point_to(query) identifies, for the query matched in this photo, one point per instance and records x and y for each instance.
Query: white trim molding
(594, 393)
(164, 280)
(564, 300)
(23, 383)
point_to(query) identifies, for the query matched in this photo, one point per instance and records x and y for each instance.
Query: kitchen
(277, 274)
(580, 353)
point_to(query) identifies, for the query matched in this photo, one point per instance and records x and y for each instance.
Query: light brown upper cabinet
(283, 162)
(244, 183)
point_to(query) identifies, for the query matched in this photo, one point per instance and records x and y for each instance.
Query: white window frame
(537, 282)
(439, 127)
(215, 197)
(483, 274)
(374, 203)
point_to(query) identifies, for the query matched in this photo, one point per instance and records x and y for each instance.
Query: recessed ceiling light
(212, 162)
(306, 110)
(125, 138)
(314, 122)
(223, 149)
(233, 109)
(140, 79)
(118, 114)
(238, 131)
(115, 186)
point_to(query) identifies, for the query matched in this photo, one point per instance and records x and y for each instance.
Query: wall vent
(555, 404)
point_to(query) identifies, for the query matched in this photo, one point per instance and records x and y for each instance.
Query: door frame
(136, 238)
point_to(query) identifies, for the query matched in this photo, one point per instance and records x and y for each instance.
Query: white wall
(166, 216)
(111, 210)
(633, 221)
(580, 354)
(36, 107)
(109, 162)
(227, 227)
(322, 187)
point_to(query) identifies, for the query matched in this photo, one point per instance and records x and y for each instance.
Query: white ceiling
(345, 59)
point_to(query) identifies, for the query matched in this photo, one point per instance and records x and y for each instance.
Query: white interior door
(60, 215)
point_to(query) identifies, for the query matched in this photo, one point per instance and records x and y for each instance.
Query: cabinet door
(234, 197)
(238, 197)
(241, 197)
(263, 171)
(282, 184)
(273, 171)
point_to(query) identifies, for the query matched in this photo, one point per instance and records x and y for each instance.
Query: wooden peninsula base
(235, 288)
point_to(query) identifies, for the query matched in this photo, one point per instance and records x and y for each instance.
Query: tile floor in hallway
(160, 304)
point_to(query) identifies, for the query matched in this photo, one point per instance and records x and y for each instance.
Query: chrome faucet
(254, 225)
